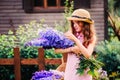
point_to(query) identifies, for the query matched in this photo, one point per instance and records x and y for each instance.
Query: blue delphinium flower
(57, 76)
(42, 75)
(51, 39)
(45, 75)
(37, 42)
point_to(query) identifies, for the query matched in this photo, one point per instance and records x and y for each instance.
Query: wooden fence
(17, 61)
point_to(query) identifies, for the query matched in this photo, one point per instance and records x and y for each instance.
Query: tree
(114, 16)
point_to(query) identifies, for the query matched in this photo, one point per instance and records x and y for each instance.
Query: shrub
(109, 53)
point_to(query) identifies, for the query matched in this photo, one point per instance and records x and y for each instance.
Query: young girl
(82, 32)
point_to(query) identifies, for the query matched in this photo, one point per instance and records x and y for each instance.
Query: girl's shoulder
(94, 39)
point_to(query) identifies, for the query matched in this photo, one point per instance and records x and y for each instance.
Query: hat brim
(78, 19)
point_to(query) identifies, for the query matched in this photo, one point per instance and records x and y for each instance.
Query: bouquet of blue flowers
(50, 38)
(47, 75)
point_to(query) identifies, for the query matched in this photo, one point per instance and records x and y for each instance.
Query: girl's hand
(75, 50)
(70, 36)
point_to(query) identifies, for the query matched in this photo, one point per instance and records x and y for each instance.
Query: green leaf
(80, 71)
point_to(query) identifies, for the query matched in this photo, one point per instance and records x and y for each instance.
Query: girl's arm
(74, 49)
(87, 52)
(67, 50)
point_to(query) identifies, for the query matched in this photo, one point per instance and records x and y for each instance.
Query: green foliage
(109, 53)
(29, 31)
(29, 52)
(111, 33)
(92, 65)
(68, 8)
(27, 71)
(49, 53)
(7, 42)
(114, 7)
(114, 18)
(7, 72)
(67, 12)
(111, 6)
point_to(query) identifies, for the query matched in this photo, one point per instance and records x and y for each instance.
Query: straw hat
(81, 15)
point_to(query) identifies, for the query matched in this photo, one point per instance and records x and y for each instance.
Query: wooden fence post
(41, 59)
(17, 65)
(65, 57)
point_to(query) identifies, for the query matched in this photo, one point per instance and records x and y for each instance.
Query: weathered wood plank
(6, 61)
(53, 61)
(30, 61)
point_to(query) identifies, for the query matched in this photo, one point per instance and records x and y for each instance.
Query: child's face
(77, 25)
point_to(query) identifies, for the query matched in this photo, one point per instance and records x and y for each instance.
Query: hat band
(82, 17)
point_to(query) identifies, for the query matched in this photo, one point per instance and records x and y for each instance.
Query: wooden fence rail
(17, 61)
